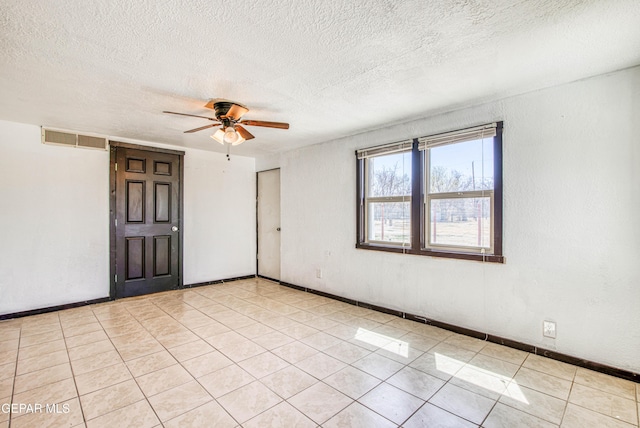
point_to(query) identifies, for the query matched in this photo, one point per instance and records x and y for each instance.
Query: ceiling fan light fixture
(230, 135)
(227, 116)
(218, 136)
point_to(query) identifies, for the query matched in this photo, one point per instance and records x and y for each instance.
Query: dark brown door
(147, 221)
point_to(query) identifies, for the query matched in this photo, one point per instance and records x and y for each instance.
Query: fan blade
(235, 112)
(201, 128)
(192, 115)
(279, 125)
(244, 133)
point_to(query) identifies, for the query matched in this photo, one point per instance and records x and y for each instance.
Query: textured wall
(220, 217)
(55, 217)
(571, 230)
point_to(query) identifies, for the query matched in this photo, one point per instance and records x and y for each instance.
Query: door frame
(113, 146)
(257, 224)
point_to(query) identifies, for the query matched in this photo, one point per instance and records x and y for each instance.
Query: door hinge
(257, 256)
(116, 166)
(116, 222)
(115, 277)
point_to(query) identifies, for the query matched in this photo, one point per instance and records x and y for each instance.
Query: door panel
(135, 257)
(147, 221)
(269, 224)
(135, 201)
(162, 255)
(136, 165)
(162, 196)
(162, 168)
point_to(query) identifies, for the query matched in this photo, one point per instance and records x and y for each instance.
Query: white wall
(220, 216)
(571, 224)
(55, 220)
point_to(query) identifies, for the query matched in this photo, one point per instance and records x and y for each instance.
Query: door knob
(174, 228)
(278, 229)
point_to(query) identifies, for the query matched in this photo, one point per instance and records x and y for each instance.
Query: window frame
(419, 233)
(382, 199)
(473, 194)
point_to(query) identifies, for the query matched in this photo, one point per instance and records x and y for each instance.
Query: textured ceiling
(329, 68)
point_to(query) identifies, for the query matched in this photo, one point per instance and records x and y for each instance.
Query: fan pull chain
(228, 151)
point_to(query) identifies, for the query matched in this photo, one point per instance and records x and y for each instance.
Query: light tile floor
(256, 354)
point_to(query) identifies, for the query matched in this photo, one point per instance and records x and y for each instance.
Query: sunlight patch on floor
(388, 343)
(468, 373)
(480, 377)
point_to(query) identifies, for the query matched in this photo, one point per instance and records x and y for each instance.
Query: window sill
(490, 258)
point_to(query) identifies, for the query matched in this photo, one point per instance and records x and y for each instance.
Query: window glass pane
(389, 222)
(390, 175)
(461, 167)
(461, 222)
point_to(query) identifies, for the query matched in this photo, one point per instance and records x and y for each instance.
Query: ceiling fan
(227, 116)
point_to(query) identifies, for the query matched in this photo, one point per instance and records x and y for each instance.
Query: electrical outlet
(319, 273)
(549, 329)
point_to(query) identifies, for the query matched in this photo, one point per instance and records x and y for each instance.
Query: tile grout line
(539, 392)
(166, 350)
(406, 365)
(444, 384)
(177, 361)
(202, 386)
(294, 340)
(383, 381)
(567, 402)
(284, 400)
(17, 360)
(127, 367)
(536, 350)
(502, 394)
(66, 347)
(236, 363)
(637, 391)
(238, 310)
(218, 350)
(573, 383)
(15, 375)
(566, 406)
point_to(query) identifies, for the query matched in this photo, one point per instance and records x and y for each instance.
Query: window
(460, 198)
(439, 195)
(387, 196)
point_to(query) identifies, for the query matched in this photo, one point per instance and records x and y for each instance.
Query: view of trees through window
(459, 212)
(439, 195)
(390, 189)
(460, 187)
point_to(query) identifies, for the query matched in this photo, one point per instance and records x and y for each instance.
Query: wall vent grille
(71, 139)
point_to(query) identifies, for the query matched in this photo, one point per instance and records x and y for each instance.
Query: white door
(269, 224)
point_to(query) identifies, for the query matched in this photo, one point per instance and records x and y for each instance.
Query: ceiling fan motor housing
(227, 115)
(222, 107)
